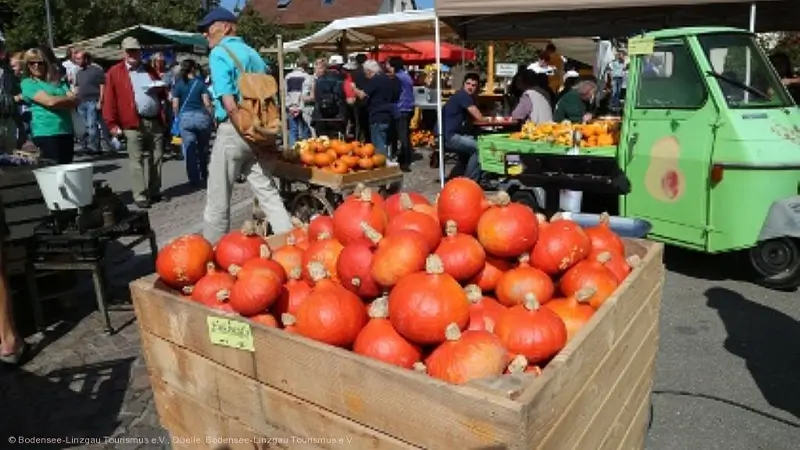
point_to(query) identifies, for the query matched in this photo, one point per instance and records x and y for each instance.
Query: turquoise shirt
(225, 75)
(47, 121)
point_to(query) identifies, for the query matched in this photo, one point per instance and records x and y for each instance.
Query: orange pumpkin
(378, 160)
(366, 151)
(307, 157)
(350, 160)
(339, 167)
(323, 159)
(366, 163)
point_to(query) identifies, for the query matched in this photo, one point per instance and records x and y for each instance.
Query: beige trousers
(230, 156)
(146, 156)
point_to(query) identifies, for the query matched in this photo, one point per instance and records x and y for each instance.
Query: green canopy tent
(154, 37)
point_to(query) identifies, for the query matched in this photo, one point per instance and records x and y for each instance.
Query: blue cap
(218, 14)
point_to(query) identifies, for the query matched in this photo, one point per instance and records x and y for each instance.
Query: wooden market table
(293, 392)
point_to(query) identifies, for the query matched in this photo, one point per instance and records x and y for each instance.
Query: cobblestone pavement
(82, 383)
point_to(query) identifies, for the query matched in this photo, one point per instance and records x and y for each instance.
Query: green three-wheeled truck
(709, 152)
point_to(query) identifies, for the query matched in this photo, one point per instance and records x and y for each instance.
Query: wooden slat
(318, 177)
(635, 437)
(628, 417)
(255, 406)
(400, 403)
(564, 377)
(195, 426)
(612, 376)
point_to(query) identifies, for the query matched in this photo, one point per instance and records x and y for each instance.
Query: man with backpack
(332, 94)
(249, 121)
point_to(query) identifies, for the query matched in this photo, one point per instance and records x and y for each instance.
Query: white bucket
(67, 186)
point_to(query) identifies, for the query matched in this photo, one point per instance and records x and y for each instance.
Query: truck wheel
(777, 263)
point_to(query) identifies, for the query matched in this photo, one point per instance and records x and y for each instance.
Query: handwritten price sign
(230, 333)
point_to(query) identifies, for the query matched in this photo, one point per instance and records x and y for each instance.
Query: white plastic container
(66, 186)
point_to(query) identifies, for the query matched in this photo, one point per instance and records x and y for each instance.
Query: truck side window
(670, 79)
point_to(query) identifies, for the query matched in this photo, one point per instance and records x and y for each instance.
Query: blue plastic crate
(623, 226)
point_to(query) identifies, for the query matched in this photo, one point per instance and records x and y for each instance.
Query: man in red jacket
(132, 107)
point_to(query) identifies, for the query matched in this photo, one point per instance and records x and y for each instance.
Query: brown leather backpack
(259, 117)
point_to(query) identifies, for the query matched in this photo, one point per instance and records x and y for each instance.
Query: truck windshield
(744, 75)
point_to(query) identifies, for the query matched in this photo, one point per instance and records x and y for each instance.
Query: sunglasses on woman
(36, 63)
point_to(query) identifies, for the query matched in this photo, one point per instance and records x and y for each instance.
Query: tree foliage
(24, 22)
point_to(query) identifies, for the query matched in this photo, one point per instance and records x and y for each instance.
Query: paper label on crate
(230, 333)
(641, 46)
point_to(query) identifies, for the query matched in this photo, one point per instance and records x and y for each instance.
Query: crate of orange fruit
(470, 322)
(335, 164)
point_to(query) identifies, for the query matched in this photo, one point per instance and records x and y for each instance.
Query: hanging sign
(641, 46)
(505, 69)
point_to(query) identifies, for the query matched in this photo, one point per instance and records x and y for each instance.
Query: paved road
(726, 372)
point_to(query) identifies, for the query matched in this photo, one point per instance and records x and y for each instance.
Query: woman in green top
(51, 103)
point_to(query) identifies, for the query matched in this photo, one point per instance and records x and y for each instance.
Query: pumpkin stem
(518, 364)
(291, 240)
(366, 195)
(317, 271)
(420, 367)
(297, 223)
(379, 308)
(474, 293)
(234, 269)
(324, 235)
(585, 294)
(634, 261)
(451, 228)
(530, 302)
(434, 265)
(436, 199)
(210, 267)
(223, 295)
(557, 216)
(187, 290)
(604, 257)
(356, 282)
(405, 202)
(371, 233)
(452, 332)
(249, 228)
(488, 324)
(525, 258)
(605, 219)
(541, 218)
(358, 191)
(502, 199)
(296, 273)
(264, 252)
(288, 320)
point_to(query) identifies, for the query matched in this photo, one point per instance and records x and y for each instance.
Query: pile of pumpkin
(422, 138)
(337, 156)
(465, 288)
(600, 133)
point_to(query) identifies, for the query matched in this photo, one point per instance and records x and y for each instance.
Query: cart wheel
(308, 204)
(777, 262)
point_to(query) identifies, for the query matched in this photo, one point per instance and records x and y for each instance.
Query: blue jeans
(379, 134)
(298, 128)
(90, 115)
(196, 136)
(616, 90)
(466, 147)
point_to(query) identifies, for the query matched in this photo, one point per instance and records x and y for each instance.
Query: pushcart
(308, 191)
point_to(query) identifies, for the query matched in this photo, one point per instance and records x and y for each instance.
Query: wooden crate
(295, 172)
(24, 209)
(292, 392)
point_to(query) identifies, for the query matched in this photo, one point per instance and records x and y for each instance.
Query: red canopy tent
(423, 52)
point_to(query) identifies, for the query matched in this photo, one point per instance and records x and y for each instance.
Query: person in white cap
(132, 108)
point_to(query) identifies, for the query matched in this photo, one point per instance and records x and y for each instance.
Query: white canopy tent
(361, 33)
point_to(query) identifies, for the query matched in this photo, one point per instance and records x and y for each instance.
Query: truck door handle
(634, 137)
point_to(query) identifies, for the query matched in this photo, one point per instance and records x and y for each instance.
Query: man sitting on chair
(458, 138)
